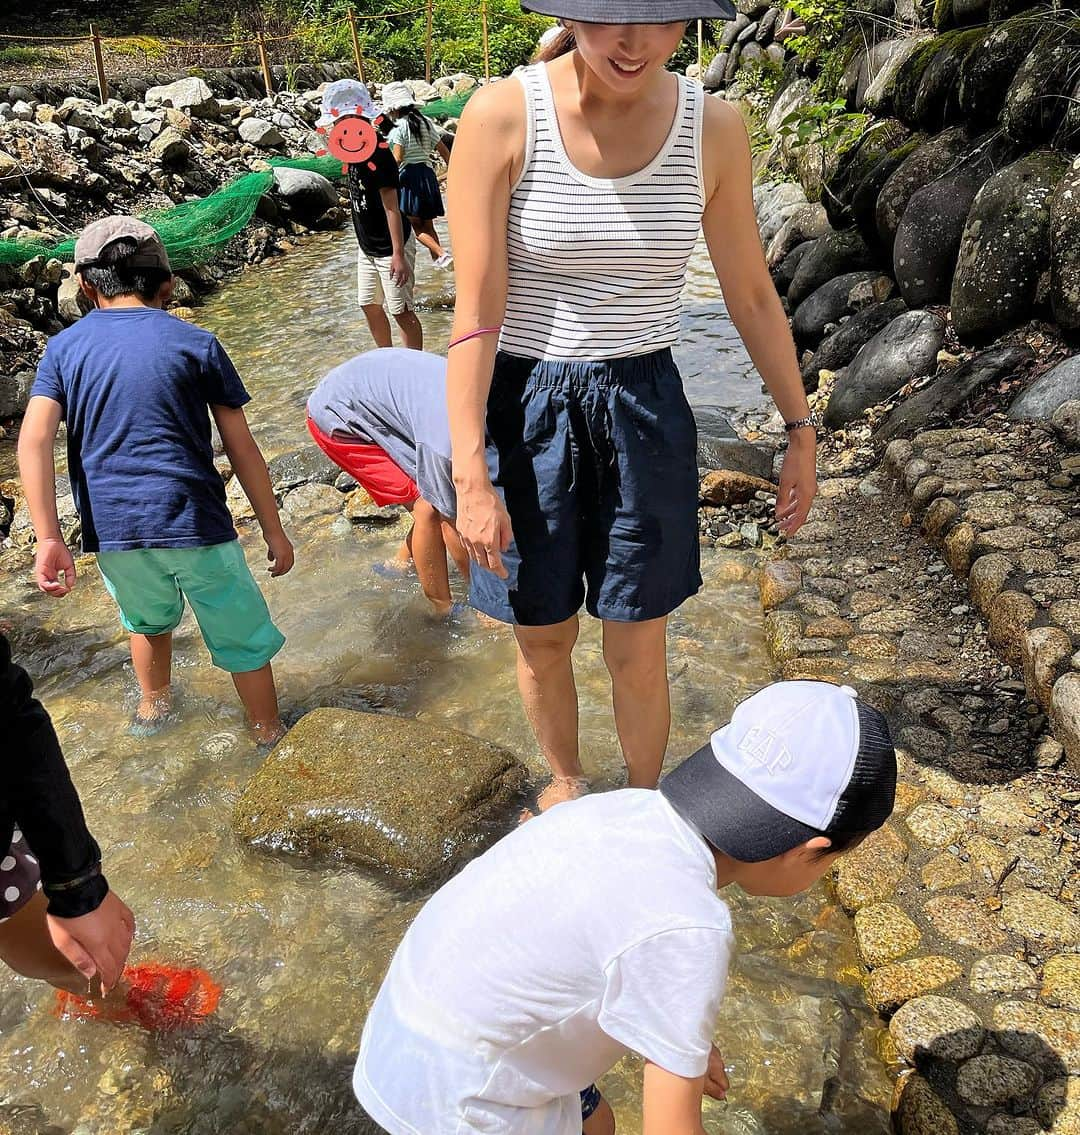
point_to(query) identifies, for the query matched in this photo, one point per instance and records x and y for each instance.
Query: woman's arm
(398, 150)
(731, 232)
(443, 150)
(485, 161)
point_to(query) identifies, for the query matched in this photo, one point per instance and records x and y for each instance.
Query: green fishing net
(449, 107)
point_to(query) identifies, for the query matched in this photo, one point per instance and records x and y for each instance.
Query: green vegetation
(28, 56)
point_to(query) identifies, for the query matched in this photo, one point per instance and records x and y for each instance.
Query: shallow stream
(299, 951)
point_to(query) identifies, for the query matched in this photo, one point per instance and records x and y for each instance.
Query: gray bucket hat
(632, 11)
(97, 236)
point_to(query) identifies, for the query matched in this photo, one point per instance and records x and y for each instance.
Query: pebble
(965, 922)
(945, 871)
(996, 1081)
(919, 1110)
(938, 1027)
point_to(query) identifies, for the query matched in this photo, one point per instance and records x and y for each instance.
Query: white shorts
(373, 283)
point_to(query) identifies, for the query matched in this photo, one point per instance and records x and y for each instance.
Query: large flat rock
(409, 800)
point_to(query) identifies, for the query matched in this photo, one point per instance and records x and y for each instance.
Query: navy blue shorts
(597, 463)
(591, 1099)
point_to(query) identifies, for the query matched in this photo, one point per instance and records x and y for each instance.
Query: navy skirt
(420, 196)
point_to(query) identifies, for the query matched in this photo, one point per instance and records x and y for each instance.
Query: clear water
(300, 951)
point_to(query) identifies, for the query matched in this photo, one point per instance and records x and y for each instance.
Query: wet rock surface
(405, 799)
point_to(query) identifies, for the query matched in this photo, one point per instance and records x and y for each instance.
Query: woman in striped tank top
(577, 193)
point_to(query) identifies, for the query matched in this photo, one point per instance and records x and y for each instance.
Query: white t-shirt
(591, 931)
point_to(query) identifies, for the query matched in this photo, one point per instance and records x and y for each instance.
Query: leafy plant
(827, 124)
(28, 56)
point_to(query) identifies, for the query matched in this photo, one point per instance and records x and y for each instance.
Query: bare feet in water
(559, 790)
(152, 714)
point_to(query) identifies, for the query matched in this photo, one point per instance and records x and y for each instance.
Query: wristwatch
(813, 420)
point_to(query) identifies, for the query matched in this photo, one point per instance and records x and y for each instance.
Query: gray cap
(632, 11)
(97, 236)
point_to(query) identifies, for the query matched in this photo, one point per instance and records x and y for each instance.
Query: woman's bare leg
(427, 236)
(636, 657)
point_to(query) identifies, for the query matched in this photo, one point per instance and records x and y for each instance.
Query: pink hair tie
(474, 335)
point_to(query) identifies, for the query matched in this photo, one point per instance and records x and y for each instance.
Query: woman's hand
(798, 481)
(484, 527)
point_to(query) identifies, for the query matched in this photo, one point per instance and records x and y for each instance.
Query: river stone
(989, 67)
(778, 582)
(1065, 715)
(1005, 247)
(1065, 250)
(783, 634)
(944, 872)
(408, 799)
(736, 456)
(937, 101)
(920, 1110)
(935, 826)
(842, 345)
(889, 56)
(309, 501)
(1066, 423)
(1008, 617)
(1058, 1108)
(892, 985)
(830, 303)
(307, 194)
(258, 132)
(928, 162)
(832, 255)
(15, 392)
(952, 389)
(784, 272)
(965, 922)
(939, 1028)
(1061, 981)
(996, 1081)
(905, 349)
(170, 147)
(883, 933)
(1037, 98)
(1048, 1038)
(713, 79)
(1039, 401)
(1044, 653)
(304, 466)
(998, 973)
(869, 873)
(727, 487)
(877, 140)
(786, 102)
(864, 197)
(191, 95)
(237, 502)
(1040, 919)
(807, 222)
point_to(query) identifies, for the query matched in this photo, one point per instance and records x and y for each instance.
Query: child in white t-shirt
(596, 929)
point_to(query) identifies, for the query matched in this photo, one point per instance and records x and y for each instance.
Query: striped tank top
(597, 265)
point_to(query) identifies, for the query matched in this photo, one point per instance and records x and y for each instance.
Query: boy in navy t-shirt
(137, 388)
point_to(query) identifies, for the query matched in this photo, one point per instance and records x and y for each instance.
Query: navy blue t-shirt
(135, 386)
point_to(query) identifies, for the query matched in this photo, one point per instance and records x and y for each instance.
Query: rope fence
(258, 40)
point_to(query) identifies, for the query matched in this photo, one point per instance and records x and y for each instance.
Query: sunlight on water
(300, 950)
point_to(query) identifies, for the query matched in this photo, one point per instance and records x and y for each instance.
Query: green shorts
(150, 585)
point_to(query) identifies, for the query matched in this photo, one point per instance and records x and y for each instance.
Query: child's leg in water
(151, 658)
(429, 555)
(259, 696)
(455, 547)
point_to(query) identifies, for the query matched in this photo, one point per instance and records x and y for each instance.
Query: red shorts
(385, 481)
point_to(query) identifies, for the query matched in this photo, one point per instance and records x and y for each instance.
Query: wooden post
(357, 54)
(99, 64)
(264, 62)
(700, 49)
(427, 47)
(487, 56)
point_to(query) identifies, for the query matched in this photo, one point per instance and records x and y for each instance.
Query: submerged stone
(891, 986)
(404, 798)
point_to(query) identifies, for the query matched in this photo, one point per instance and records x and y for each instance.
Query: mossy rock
(409, 800)
(877, 140)
(942, 16)
(864, 199)
(1065, 251)
(1005, 247)
(937, 100)
(990, 66)
(1037, 98)
(909, 77)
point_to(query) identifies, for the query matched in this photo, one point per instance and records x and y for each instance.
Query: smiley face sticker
(352, 139)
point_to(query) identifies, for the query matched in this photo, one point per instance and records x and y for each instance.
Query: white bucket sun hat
(397, 96)
(346, 96)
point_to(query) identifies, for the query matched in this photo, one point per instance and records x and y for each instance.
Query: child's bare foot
(558, 791)
(268, 733)
(152, 713)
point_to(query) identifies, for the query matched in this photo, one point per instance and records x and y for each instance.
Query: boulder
(727, 487)
(937, 100)
(306, 502)
(733, 29)
(714, 73)
(855, 163)
(410, 800)
(767, 25)
(79, 114)
(808, 222)
(258, 132)
(925, 164)
(307, 465)
(71, 304)
(967, 12)
(793, 96)
(951, 390)
(839, 348)
(751, 55)
(891, 55)
(191, 95)
(306, 194)
(170, 148)
(15, 393)
(906, 349)
(784, 272)
(1049, 391)
(1005, 247)
(830, 256)
(1038, 96)
(1065, 251)
(735, 455)
(830, 303)
(864, 198)
(989, 67)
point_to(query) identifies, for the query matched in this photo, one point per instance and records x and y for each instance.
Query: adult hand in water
(484, 527)
(97, 944)
(716, 1080)
(54, 568)
(798, 481)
